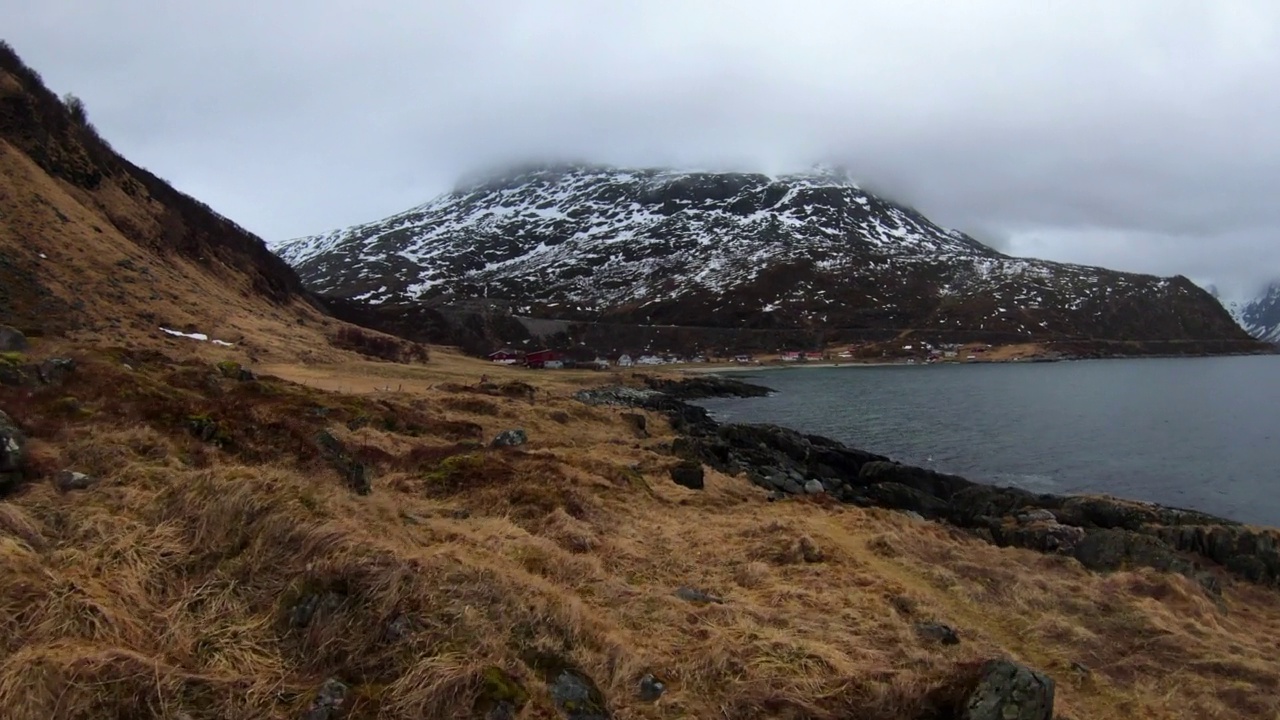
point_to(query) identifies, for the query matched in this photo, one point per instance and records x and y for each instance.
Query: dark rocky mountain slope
(800, 252)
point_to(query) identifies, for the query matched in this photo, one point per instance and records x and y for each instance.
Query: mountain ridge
(804, 251)
(1260, 317)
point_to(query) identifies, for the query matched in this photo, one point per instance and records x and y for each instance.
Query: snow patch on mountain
(798, 247)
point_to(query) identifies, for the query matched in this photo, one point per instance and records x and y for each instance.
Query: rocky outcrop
(510, 438)
(1102, 533)
(51, 371)
(688, 473)
(1008, 691)
(13, 455)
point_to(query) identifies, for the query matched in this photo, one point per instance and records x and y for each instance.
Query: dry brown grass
(172, 588)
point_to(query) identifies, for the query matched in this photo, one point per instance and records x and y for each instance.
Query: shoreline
(773, 366)
(1103, 532)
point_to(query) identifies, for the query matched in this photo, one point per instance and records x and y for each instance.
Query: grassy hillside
(229, 573)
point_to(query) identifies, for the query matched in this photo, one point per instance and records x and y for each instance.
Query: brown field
(173, 588)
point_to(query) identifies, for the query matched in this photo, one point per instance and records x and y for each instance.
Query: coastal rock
(616, 396)
(901, 497)
(13, 454)
(814, 487)
(706, 386)
(1038, 515)
(1251, 553)
(1008, 691)
(690, 474)
(1048, 537)
(924, 481)
(1108, 550)
(1113, 513)
(781, 461)
(510, 438)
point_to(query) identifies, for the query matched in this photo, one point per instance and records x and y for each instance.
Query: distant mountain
(1261, 316)
(809, 251)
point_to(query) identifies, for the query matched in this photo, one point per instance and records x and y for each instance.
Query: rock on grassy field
(222, 563)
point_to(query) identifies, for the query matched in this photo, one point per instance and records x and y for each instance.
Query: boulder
(510, 438)
(577, 697)
(54, 371)
(329, 702)
(926, 481)
(814, 487)
(693, 595)
(1037, 515)
(639, 424)
(938, 632)
(1049, 537)
(1006, 690)
(897, 496)
(651, 689)
(689, 473)
(359, 477)
(13, 454)
(12, 339)
(1251, 553)
(69, 480)
(1108, 550)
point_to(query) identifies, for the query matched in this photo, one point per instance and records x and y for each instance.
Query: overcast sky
(1138, 135)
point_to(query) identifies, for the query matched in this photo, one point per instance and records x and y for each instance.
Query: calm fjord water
(1201, 433)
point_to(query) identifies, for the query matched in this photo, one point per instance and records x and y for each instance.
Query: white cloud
(1143, 135)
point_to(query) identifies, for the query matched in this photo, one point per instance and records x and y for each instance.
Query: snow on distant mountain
(731, 249)
(1261, 316)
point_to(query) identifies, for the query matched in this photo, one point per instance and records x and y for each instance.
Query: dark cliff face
(801, 252)
(146, 210)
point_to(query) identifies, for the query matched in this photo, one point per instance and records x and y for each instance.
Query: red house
(543, 358)
(506, 357)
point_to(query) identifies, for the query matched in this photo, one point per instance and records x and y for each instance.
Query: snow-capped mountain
(1261, 317)
(731, 249)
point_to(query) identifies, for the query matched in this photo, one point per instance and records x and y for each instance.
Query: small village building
(541, 358)
(506, 356)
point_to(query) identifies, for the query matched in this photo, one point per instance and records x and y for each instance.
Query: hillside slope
(96, 249)
(733, 250)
